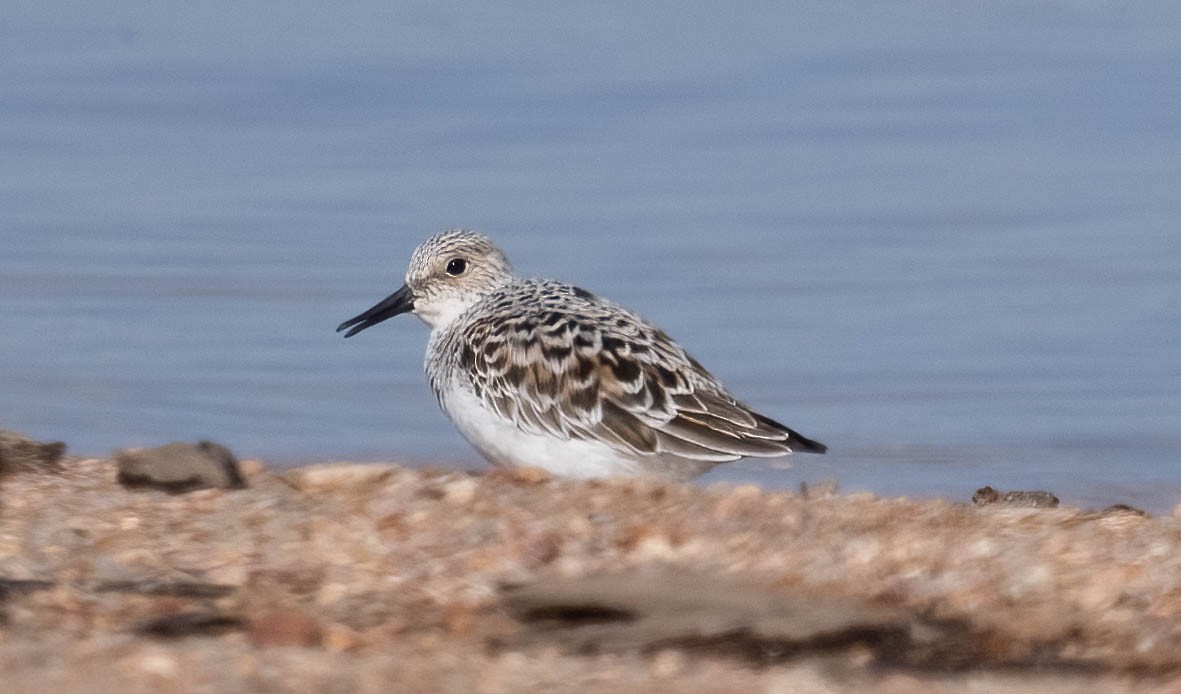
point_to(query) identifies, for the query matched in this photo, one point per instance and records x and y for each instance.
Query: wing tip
(802, 444)
(796, 442)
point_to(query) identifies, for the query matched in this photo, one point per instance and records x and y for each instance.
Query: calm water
(946, 242)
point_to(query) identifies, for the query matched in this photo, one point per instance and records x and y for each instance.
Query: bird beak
(401, 301)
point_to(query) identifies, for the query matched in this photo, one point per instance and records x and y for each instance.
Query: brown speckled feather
(540, 373)
(571, 365)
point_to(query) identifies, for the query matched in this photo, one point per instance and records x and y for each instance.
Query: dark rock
(708, 616)
(13, 587)
(1116, 509)
(175, 589)
(1036, 499)
(180, 467)
(21, 586)
(19, 453)
(647, 613)
(183, 624)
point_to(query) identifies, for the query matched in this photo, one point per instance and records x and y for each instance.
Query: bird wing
(583, 368)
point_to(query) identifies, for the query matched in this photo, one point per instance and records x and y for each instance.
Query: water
(943, 240)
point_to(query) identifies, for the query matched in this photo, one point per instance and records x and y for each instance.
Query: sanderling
(539, 373)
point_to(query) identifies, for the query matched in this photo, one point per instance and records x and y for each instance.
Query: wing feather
(580, 367)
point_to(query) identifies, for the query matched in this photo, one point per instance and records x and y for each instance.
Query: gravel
(345, 577)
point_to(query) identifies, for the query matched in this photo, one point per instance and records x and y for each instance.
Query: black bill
(401, 301)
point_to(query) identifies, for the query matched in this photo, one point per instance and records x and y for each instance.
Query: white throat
(442, 311)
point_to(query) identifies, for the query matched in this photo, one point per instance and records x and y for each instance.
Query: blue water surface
(943, 239)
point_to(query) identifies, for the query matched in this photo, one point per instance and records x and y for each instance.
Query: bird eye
(456, 267)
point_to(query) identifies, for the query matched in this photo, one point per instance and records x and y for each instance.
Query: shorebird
(540, 373)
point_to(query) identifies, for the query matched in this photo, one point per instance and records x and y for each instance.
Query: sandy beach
(344, 577)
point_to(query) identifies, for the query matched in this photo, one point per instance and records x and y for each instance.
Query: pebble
(21, 453)
(340, 475)
(229, 575)
(526, 476)
(654, 548)
(154, 661)
(461, 491)
(331, 593)
(180, 467)
(339, 638)
(667, 663)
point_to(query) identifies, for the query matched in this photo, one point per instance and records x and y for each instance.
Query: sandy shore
(376, 578)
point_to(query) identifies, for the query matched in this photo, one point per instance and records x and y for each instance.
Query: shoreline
(360, 576)
(788, 475)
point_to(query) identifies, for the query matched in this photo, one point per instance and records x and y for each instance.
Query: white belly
(503, 444)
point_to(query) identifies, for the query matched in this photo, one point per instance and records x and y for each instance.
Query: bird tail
(797, 442)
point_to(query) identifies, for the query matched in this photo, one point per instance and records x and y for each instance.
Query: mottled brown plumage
(554, 361)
